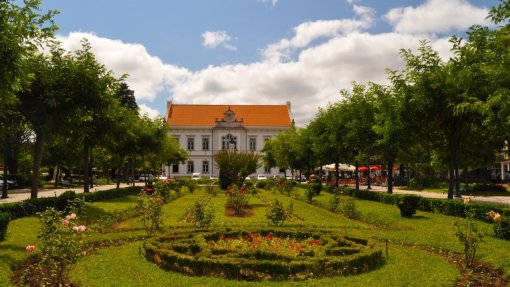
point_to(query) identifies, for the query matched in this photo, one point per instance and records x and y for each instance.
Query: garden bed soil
(246, 211)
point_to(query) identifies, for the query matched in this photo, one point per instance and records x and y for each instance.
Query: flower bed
(264, 254)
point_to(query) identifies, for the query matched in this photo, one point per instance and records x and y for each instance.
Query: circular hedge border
(193, 253)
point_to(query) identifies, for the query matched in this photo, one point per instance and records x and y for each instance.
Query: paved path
(487, 199)
(22, 194)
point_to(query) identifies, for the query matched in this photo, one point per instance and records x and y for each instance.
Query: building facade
(203, 130)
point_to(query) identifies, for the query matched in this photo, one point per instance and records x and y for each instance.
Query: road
(16, 195)
(505, 200)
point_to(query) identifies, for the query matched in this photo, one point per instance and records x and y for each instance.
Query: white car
(144, 177)
(261, 177)
(195, 176)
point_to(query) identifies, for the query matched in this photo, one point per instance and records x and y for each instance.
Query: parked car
(162, 177)
(144, 177)
(195, 176)
(10, 183)
(213, 177)
(261, 177)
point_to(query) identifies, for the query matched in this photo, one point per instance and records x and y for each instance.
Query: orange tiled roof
(206, 115)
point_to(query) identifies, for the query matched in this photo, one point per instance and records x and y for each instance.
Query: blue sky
(255, 51)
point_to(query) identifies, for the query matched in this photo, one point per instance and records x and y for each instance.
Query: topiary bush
(263, 255)
(408, 205)
(4, 223)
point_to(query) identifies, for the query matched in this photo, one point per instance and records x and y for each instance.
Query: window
(205, 143)
(191, 143)
(175, 168)
(266, 138)
(253, 144)
(191, 166)
(205, 167)
(267, 170)
(229, 141)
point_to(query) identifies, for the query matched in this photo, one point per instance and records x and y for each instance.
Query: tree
(234, 166)
(23, 29)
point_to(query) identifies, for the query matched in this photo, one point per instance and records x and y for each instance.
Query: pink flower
(80, 228)
(66, 222)
(71, 216)
(30, 248)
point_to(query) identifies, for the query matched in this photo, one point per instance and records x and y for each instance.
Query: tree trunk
(133, 170)
(369, 177)
(86, 166)
(91, 173)
(56, 176)
(39, 137)
(337, 173)
(390, 176)
(451, 179)
(356, 175)
(4, 181)
(457, 181)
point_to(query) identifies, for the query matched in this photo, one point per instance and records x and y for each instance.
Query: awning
(372, 168)
(341, 167)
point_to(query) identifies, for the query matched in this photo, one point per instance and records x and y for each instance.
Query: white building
(204, 130)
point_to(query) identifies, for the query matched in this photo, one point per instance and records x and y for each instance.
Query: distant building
(204, 130)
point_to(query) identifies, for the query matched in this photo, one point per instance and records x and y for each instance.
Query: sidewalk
(16, 195)
(505, 200)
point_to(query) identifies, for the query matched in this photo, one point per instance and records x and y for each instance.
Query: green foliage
(211, 189)
(348, 207)
(236, 199)
(235, 166)
(200, 214)
(284, 186)
(469, 234)
(315, 184)
(502, 228)
(276, 215)
(250, 188)
(242, 255)
(61, 240)
(151, 210)
(4, 223)
(334, 203)
(310, 193)
(408, 205)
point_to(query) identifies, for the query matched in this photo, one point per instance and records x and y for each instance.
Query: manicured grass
(407, 265)
(104, 267)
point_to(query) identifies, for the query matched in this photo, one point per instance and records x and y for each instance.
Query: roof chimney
(168, 107)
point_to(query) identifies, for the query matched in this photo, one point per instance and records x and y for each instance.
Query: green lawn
(407, 265)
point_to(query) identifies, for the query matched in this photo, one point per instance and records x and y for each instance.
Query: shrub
(211, 189)
(151, 209)
(236, 199)
(200, 214)
(263, 184)
(64, 199)
(30, 207)
(60, 248)
(469, 234)
(502, 228)
(250, 188)
(408, 205)
(310, 194)
(315, 184)
(334, 203)
(276, 215)
(4, 223)
(348, 207)
(484, 187)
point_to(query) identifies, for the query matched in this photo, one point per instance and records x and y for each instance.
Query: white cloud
(273, 2)
(307, 32)
(213, 39)
(310, 79)
(148, 75)
(151, 113)
(436, 16)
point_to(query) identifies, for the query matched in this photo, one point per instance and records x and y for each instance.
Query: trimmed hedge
(192, 254)
(408, 205)
(30, 207)
(4, 223)
(443, 206)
